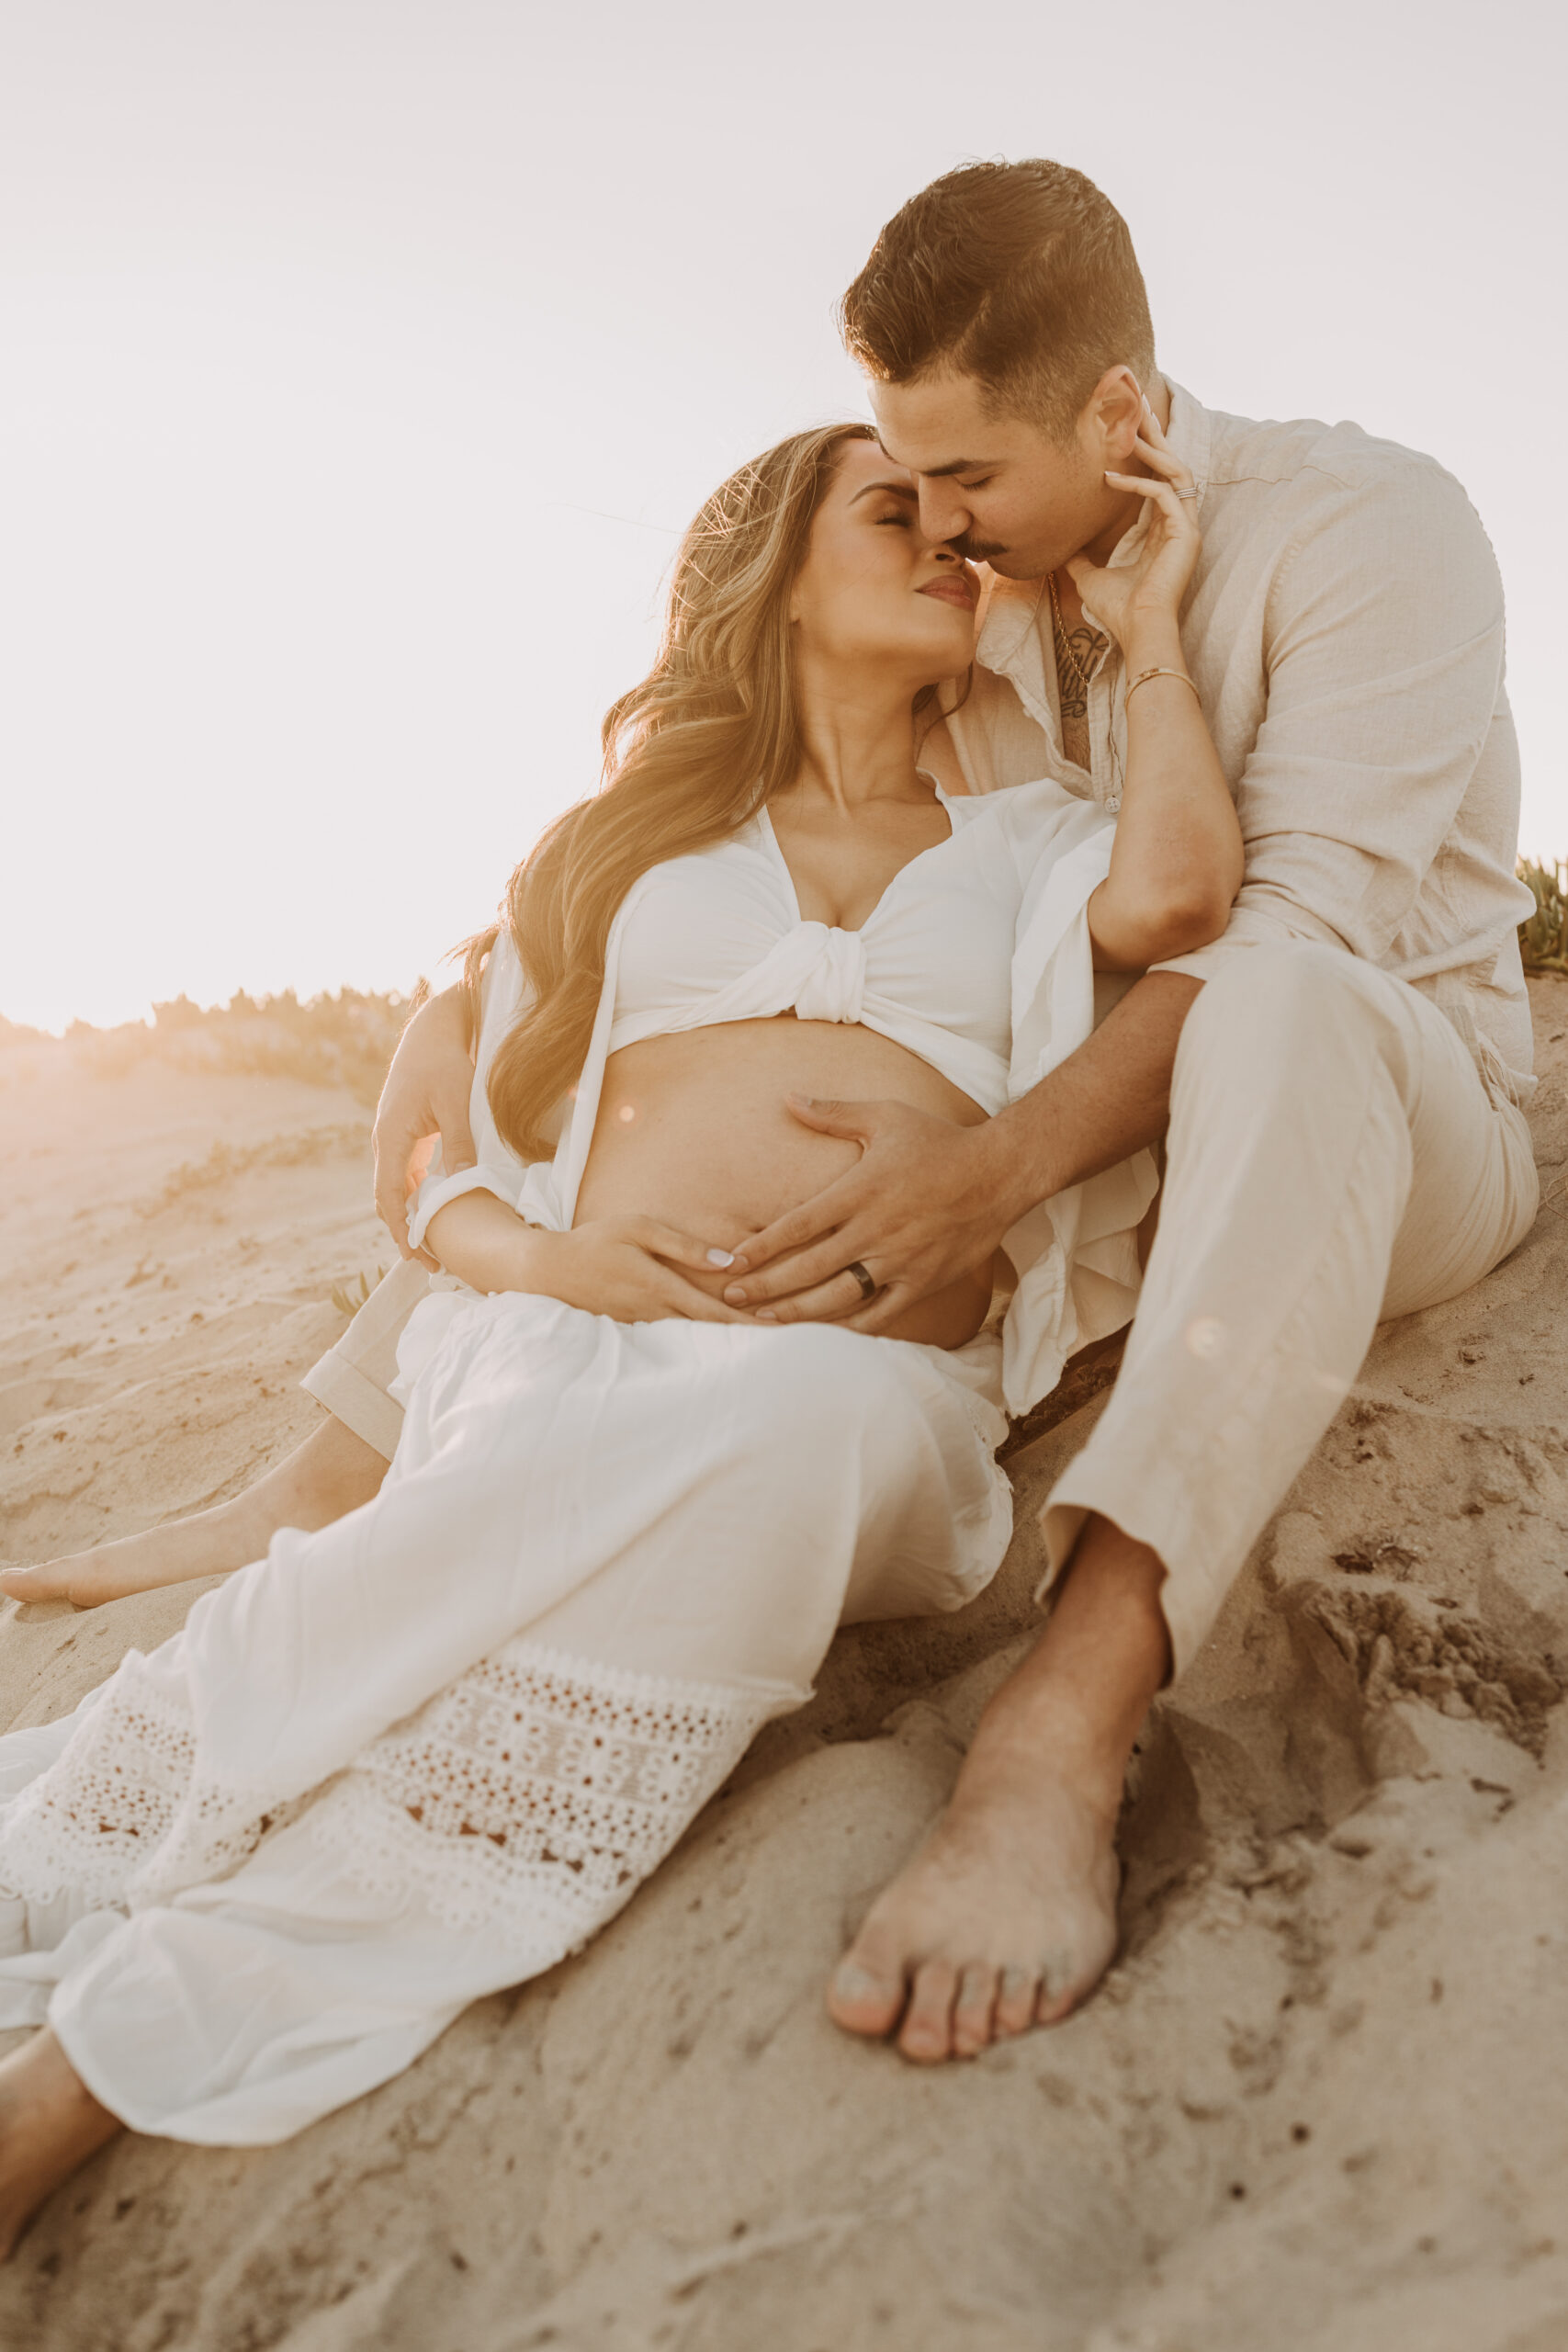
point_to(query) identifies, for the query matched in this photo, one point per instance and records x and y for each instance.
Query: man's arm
(929, 1201)
(426, 1094)
(1385, 647)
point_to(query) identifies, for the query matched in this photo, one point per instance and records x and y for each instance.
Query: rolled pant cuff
(1191, 1592)
(355, 1402)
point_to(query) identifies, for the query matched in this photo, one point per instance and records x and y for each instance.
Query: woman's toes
(865, 2000)
(49, 1580)
(973, 2010)
(36, 1591)
(1016, 1999)
(927, 2034)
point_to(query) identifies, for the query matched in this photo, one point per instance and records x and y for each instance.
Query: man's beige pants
(1333, 1158)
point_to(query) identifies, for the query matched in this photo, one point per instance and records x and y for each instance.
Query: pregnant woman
(428, 1752)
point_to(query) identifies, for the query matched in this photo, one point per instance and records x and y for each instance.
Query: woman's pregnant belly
(693, 1128)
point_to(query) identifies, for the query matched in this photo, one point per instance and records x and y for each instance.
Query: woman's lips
(951, 592)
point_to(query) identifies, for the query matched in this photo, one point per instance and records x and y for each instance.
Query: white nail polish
(721, 1256)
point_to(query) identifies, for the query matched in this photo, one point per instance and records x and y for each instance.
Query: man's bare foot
(332, 1473)
(50, 2124)
(1006, 1918)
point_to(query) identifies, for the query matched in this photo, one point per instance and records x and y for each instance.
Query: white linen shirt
(1344, 628)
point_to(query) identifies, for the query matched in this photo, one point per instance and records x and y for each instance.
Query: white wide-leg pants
(429, 1751)
(1333, 1158)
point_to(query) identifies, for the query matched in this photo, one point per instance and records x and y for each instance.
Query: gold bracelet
(1145, 676)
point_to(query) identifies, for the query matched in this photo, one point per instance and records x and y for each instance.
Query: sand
(1319, 2100)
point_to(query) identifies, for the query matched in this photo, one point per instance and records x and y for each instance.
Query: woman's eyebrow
(898, 489)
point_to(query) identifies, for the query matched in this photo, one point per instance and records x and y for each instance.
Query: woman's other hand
(630, 1268)
(627, 1267)
(1151, 588)
(425, 1094)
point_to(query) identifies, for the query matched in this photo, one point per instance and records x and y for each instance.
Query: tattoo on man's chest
(1077, 653)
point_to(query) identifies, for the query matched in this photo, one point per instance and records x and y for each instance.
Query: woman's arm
(625, 1267)
(426, 1094)
(1175, 860)
(489, 1247)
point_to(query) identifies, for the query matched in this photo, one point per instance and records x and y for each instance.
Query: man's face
(998, 488)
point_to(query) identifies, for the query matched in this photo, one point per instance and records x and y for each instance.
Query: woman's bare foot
(1007, 1916)
(50, 2124)
(332, 1473)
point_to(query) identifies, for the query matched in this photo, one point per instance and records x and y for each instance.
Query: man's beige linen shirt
(1345, 630)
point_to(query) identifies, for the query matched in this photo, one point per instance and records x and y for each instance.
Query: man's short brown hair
(1022, 274)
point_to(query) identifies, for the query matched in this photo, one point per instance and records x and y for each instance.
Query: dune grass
(344, 1040)
(349, 1296)
(1543, 936)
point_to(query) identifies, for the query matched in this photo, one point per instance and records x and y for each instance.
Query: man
(1337, 1080)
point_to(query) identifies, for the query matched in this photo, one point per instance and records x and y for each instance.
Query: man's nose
(944, 514)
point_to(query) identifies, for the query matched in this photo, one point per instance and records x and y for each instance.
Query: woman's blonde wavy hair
(690, 755)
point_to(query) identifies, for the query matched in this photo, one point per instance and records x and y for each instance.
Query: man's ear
(1116, 405)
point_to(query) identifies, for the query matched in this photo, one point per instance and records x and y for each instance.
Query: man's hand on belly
(927, 1204)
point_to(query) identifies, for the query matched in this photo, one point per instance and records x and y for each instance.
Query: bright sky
(364, 358)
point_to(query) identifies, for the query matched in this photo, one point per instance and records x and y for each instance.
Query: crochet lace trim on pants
(121, 1816)
(536, 1793)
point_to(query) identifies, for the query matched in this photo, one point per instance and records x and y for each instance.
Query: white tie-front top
(976, 957)
(719, 936)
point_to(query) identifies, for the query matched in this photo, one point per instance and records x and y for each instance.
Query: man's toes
(1016, 1997)
(975, 2009)
(927, 2035)
(862, 1999)
(1058, 1992)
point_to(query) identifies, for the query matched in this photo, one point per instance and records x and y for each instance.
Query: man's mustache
(976, 550)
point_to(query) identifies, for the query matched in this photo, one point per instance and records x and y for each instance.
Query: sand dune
(1318, 2104)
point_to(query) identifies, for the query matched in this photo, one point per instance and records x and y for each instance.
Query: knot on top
(833, 985)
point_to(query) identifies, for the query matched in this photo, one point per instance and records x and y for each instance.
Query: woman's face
(873, 589)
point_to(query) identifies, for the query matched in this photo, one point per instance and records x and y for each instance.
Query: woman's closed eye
(898, 514)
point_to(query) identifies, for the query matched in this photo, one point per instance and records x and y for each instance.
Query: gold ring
(867, 1286)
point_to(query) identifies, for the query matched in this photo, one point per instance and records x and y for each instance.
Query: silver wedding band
(868, 1287)
(1187, 493)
